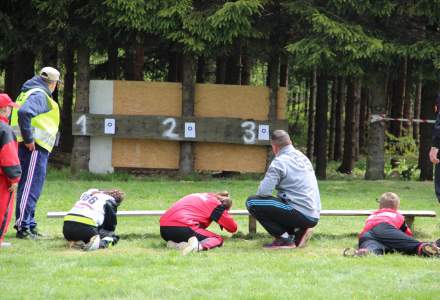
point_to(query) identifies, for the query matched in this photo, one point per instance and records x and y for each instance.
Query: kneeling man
(291, 215)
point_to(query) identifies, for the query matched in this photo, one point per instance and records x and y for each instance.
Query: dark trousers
(33, 165)
(277, 216)
(75, 231)
(178, 234)
(385, 238)
(437, 181)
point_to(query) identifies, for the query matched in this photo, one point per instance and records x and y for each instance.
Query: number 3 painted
(249, 132)
(169, 132)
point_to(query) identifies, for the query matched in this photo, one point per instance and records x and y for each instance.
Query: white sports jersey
(91, 205)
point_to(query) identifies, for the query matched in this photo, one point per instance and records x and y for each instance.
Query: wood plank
(243, 212)
(222, 130)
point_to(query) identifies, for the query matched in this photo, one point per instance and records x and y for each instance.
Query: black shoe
(34, 231)
(281, 243)
(24, 234)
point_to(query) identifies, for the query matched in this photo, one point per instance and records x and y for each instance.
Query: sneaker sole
(193, 246)
(305, 238)
(431, 250)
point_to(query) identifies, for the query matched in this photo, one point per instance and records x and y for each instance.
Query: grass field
(140, 267)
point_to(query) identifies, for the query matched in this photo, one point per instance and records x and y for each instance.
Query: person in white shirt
(91, 223)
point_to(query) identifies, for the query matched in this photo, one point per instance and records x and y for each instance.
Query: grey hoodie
(291, 174)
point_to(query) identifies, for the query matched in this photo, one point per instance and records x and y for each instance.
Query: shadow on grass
(318, 236)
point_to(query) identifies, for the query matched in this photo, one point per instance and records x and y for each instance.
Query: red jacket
(386, 215)
(10, 170)
(198, 210)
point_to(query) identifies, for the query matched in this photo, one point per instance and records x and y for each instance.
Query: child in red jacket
(385, 231)
(10, 170)
(184, 225)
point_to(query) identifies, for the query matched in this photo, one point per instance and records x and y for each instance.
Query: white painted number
(169, 131)
(249, 132)
(82, 122)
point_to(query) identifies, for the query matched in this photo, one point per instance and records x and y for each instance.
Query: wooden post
(81, 145)
(252, 225)
(186, 164)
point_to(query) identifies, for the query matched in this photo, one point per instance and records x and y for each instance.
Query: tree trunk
(200, 74)
(273, 79)
(50, 58)
(246, 66)
(311, 116)
(363, 119)
(220, 70)
(233, 66)
(81, 144)
(112, 61)
(321, 126)
(284, 71)
(350, 138)
(66, 138)
(339, 122)
(139, 59)
(19, 68)
(376, 130)
(397, 99)
(174, 67)
(331, 139)
(417, 101)
(357, 113)
(186, 164)
(429, 93)
(407, 98)
(129, 62)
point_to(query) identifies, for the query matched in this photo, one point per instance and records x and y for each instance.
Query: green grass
(140, 267)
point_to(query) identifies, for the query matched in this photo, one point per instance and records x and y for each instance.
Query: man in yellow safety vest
(36, 125)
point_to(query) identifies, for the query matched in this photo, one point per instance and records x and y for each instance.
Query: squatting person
(10, 169)
(184, 225)
(91, 223)
(36, 125)
(385, 231)
(291, 215)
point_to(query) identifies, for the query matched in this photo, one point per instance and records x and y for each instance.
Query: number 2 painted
(169, 132)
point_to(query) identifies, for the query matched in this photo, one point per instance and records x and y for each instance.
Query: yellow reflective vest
(44, 126)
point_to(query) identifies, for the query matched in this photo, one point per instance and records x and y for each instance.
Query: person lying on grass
(385, 231)
(91, 223)
(184, 225)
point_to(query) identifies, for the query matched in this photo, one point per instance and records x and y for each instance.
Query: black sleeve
(404, 227)
(217, 213)
(110, 220)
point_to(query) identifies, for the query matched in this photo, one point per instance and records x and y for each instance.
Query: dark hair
(118, 195)
(280, 138)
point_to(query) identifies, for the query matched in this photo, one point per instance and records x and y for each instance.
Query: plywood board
(231, 101)
(227, 157)
(147, 98)
(150, 154)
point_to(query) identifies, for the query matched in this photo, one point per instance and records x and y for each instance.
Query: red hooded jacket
(198, 211)
(386, 215)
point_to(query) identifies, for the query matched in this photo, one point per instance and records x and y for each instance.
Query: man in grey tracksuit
(291, 215)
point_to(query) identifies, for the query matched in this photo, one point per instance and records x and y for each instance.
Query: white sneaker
(93, 244)
(192, 246)
(5, 244)
(174, 245)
